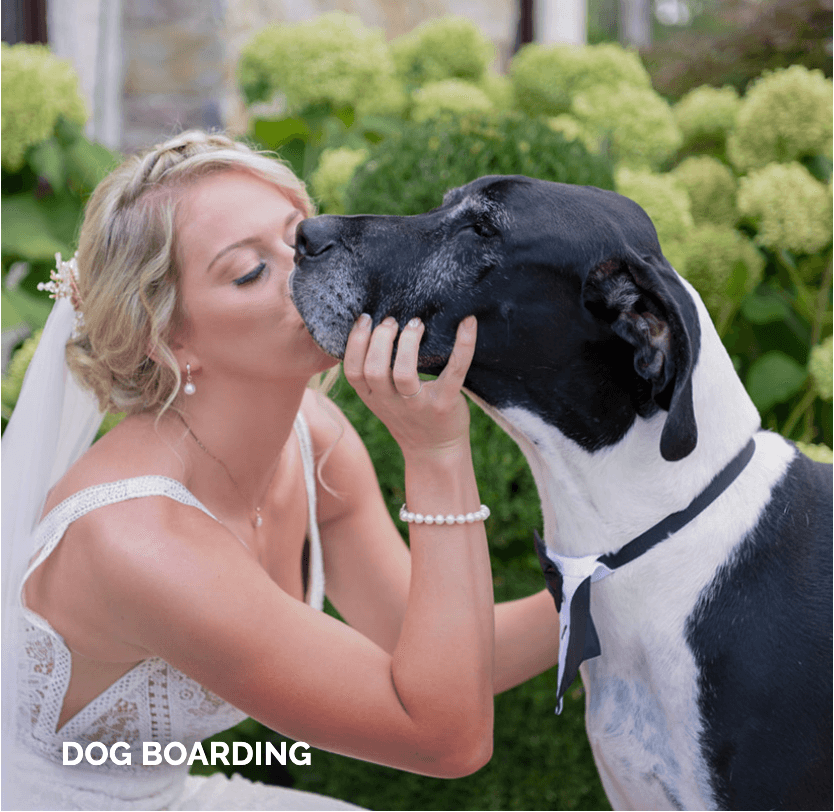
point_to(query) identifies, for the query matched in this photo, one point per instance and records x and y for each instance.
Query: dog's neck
(594, 502)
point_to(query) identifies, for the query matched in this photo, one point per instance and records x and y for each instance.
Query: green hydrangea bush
(37, 90)
(453, 96)
(706, 116)
(785, 116)
(332, 59)
(447, 47)
(410, 171)
(49, 167)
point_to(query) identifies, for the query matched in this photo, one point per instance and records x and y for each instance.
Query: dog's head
(580, 316)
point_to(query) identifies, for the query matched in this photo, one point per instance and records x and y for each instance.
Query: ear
(645, 304)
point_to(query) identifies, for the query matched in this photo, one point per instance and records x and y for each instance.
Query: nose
(314, 237)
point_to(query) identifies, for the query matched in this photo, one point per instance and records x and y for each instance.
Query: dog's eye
(481, 228)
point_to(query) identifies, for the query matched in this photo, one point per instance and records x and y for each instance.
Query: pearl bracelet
(462, 518)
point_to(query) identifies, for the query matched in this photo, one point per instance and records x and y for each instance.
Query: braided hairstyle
(128, 276)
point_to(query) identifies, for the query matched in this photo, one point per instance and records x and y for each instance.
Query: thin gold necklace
(256, 520)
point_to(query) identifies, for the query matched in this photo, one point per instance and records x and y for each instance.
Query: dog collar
(569, 578)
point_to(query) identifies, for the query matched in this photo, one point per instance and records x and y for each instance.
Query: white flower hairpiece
(63, 284)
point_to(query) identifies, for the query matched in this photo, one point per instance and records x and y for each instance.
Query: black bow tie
(569, 579)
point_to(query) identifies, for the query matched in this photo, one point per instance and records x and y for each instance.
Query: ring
(415, 394)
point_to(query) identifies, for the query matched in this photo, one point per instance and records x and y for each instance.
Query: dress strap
(315, 590)
(51, 530)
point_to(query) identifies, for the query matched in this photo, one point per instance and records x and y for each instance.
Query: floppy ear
(645, 304)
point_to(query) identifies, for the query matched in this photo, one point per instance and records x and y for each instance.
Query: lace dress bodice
(152, 702)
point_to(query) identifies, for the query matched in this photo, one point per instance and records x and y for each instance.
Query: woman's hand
(421, 415)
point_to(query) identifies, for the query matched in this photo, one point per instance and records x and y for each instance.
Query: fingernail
(364, 320)
(390, 321)
(469, 323)
(415, 322)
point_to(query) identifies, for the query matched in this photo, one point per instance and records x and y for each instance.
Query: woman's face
(235, 246)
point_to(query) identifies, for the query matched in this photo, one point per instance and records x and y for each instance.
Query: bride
(173, 581)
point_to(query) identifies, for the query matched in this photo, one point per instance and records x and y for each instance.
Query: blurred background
(714, 115)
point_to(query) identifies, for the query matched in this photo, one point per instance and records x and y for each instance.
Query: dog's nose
(313, 238)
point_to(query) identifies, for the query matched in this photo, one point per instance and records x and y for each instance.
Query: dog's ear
(645, 304)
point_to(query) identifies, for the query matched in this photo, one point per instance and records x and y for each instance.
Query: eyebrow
(249, 240)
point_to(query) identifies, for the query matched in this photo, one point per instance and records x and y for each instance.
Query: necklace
(256, 519)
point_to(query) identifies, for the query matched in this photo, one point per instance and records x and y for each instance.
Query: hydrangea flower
(333, 174)
(722, 265)
(447, 47)
(636, 123)
(819, 368)
(663, 199)
(331, 59)
(816, 451)
(37, 89)
(546, 78)
(712, 189)
(785, 116)
(706, 115)
(789, 208)
(499, 90)
(449, 96)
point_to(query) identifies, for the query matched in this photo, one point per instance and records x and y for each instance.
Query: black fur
(761, 635)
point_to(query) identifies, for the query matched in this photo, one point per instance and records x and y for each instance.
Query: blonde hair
(128, 275)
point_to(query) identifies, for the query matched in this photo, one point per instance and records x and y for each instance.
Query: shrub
(448, 96)
(788, 208)
(38, 89)
(410, 171)
(711, 186)
(819, 368)
(722, 265)
(332, 60)
(785, 116)
(443, 48)
(546, 78)
(816, 451)
(333, 175)
(665, 201)
(635, 123)
(706, 115)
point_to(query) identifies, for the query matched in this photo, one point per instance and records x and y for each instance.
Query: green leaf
(273, 134)
(47, 160)
(20, 306)
(774, 378)
(28, 232)
(88, 163)
(764, 307)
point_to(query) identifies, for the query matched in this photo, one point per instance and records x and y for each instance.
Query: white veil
(53, 423)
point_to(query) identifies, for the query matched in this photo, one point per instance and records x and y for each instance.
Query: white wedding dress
(153, 702)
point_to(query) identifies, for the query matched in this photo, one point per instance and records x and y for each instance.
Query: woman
(178, 574)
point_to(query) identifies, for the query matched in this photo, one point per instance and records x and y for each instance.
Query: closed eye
(251, 276)
(482, 229)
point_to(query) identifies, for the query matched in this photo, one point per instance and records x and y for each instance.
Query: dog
(713, 688)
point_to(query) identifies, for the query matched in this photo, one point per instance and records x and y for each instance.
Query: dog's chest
(641, 710)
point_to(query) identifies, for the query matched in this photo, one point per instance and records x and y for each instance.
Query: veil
(54, 422)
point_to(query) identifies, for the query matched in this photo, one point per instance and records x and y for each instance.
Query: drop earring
(189, 387)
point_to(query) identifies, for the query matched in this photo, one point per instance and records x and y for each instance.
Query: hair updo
(128, 276)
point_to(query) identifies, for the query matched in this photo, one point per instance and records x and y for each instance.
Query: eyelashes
(252, 276)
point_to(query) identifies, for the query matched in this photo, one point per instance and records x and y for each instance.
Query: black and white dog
(714, 685)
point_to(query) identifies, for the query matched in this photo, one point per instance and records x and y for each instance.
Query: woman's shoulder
(133, 449)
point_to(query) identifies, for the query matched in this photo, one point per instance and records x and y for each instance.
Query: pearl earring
(189, 387)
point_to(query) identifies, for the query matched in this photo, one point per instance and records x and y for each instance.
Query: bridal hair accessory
(63, 284)
(461, 518)
(189, 387)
